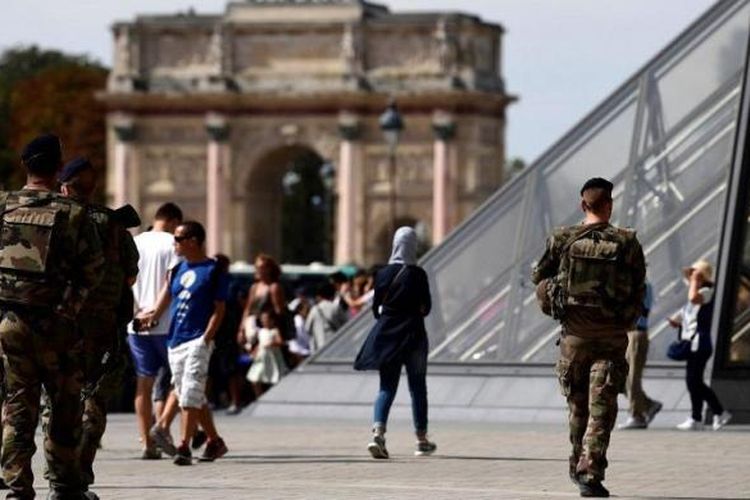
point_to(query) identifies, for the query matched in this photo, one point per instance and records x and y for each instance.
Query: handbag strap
(390, 285)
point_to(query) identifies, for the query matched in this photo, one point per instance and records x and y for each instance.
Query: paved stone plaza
(327, 460)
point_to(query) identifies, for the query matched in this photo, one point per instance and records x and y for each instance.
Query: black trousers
(699, 391)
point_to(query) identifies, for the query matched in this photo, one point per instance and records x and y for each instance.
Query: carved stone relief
(179, 49)
(410, 52)
(173, 171)
(275, 52)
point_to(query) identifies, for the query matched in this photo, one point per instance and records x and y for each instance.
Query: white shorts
(189, 364)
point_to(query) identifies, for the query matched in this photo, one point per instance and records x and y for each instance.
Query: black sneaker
(593, 489)
(654, 408)
(90, 495)
(183, 455)
(199, 438)
(214, 449)
(425, 448)
(151, 453)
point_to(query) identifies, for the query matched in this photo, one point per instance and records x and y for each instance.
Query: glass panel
(711, 60)
(672, 191)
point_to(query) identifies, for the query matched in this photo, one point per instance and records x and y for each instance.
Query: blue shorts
(149, 354)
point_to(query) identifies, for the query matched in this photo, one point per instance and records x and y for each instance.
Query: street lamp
(392, 124)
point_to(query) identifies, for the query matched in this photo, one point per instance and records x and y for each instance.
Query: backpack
(593, 272)
(29, 260)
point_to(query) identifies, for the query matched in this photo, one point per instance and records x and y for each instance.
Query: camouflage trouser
(98, 331)
(41, 350)
(591, 374)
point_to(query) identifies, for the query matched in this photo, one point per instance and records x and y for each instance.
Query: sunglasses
(180, 239)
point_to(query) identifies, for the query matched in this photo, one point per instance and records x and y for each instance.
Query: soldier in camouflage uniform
(99, 321)
(591, 278)
(50, 258)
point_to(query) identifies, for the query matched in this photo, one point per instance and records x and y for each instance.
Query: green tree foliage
(48, 91)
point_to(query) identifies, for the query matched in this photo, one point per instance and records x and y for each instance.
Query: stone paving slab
(318, 459)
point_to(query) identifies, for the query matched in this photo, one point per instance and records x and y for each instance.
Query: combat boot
(593, 488)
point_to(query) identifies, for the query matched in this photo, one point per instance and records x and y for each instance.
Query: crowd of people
(73, 281)
(75, 284)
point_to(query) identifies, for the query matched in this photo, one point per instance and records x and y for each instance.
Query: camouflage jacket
(630, 272)
(50, 255)
(120, 257)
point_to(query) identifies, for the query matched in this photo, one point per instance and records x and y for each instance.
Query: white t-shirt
(689, 318)
(157, 257)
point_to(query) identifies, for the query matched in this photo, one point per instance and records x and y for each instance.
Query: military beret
(73, 168)
(597, 182)
(46, 147)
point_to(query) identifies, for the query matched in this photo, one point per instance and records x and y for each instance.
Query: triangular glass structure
(665, 138)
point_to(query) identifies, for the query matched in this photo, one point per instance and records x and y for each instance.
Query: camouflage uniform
(101, 327)
(50, 258)
(592, 368)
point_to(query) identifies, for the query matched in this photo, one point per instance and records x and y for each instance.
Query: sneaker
(162, 439)
(234, 410)
(593, 489)
(214, 449)
(425, 448)
(376, 447)
(183, 456)
(633, 423)
(199, 438)
(654, 408)
(690, 425)
(3, 486)
(90, 495)
(721, 420)
(151, 453)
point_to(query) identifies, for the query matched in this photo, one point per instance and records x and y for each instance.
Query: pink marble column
(123, 159)
(443, 188)
(349, 152)
(216, 192)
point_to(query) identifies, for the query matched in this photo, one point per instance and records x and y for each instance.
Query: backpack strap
(577, 236)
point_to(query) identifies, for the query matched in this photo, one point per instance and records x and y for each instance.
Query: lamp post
(392, 124)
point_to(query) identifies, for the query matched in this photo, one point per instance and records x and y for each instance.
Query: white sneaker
(721, 420)
(633, 423)
(377, 448)
(690, 425)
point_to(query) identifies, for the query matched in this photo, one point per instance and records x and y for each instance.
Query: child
(268, 362)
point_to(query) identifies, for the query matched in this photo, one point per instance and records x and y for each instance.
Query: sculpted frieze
(170, 171)
(181, 49)
(411, 51)
(284, 53)
(172, 133)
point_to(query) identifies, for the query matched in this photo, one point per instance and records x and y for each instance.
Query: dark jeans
(415, 361)
(699, 391)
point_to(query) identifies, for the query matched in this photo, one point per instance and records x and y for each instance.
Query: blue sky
(561, 57)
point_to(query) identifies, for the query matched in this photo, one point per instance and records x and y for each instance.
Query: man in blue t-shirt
(642, 408)
(196, 294)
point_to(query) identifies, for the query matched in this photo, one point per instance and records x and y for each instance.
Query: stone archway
(288, 207)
